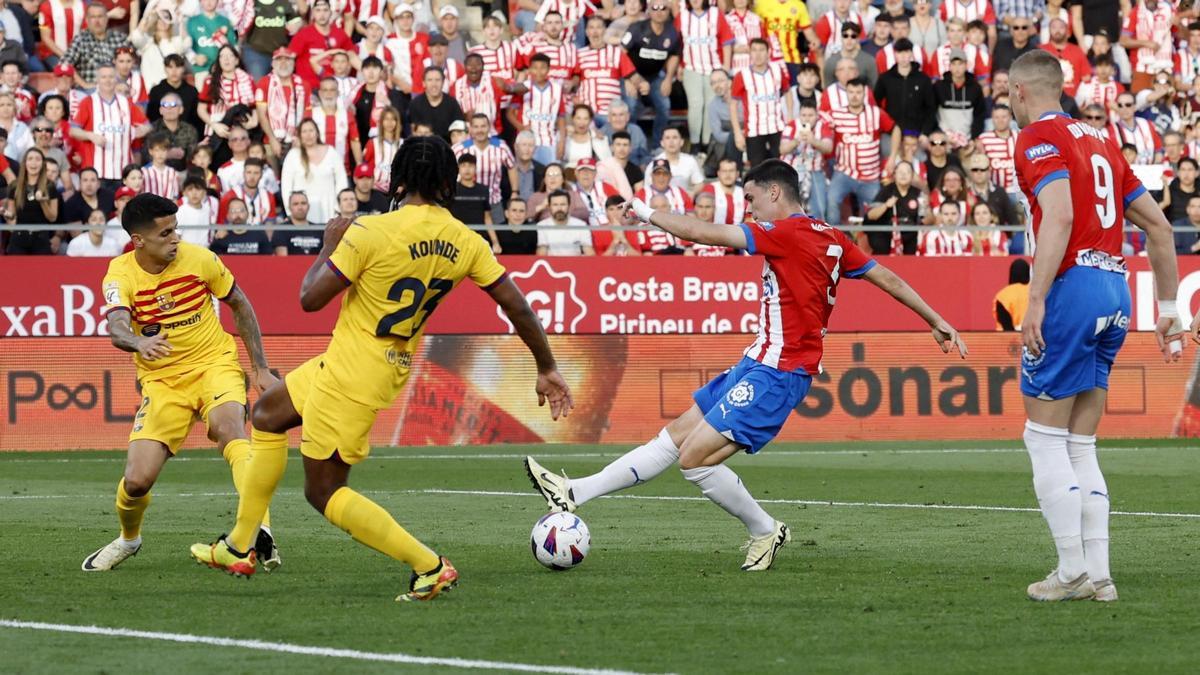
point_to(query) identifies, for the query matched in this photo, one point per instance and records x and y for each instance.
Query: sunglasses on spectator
(978, 170)
(658, 8)
(1022, 27)
(1095, 118)
(1124, 105)
(850, 34)
(42, 130)
(937, 142)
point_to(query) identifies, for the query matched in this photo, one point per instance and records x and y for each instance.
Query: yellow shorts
(170, 406)
(331, 422)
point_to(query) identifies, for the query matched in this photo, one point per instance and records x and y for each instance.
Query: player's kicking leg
(143, 462)
(227, 428)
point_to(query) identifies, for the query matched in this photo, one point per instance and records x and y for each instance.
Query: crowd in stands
(268, 115)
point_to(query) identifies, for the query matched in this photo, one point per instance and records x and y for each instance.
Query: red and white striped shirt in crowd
(968, 11)
(379, 51)
(407, 51)
(601, 75)
(729, 209)
(287, 103)
(115, 120)
(63, 20)
(805, 157)
(677, 197)
(746, 27)
(761, 94)
(979, 61)
(161, 180)
(26, 102)
(540, 110)
(235, 90)
(1103, 94)
(1001, 152)
(936, 199)
(378, 155)
(1155, 25)
(829, 29)
(1142, 135)
(1187, 65)
(835, 99)
(484, 97)
(347, 87)
(597, 213)
(138, 92)
(231, 174)
(260, 205)
(1192, 149)
(856, 141)
(498, 62)
(885, 58)
(945, 242)
(705, 38)
(571, 10)
(338, 129)
(491, 163)
(365, 9)
(451, 71)
(563, 56)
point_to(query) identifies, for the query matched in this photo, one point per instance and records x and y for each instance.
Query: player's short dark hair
(467, 158)
(623, 135)
(776, 172)
(729, 160)
(433, 69)
(903, 18)
(808, 68)
(975, 24)
(514, 198)
(373, 62)
(950, 202)
(145, 208)
(174, 60)
(558, 193)
(158, 139)
(130, 168)
(902, 45)
(615, 200)
(87, 169)
(193, 181)
(1018, 271)
(760, 41)
(425, 166)
(254, 161)
(883, 18)
(540, 58)
(1104, 60)
(857, 82)
(12, 62)
(473, 55)
(481, 116)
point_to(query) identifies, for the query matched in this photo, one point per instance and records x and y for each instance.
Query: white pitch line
(662, 498)
(304, 650)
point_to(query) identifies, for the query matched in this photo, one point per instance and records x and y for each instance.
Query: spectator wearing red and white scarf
(335, 123)
(1100, 89)
(227, 85)
(374, 42)
(282, 100)
(372, 96)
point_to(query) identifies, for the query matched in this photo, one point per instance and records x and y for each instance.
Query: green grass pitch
(866, 585)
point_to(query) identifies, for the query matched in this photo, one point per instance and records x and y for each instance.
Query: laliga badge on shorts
(741, 395)
(1031, 361)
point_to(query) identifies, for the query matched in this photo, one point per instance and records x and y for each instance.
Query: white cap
(378, 21)
(447, 9)
(458, 125)
(402, 8)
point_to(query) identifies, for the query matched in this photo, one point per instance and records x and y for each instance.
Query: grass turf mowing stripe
(666, 498)
(328, 652)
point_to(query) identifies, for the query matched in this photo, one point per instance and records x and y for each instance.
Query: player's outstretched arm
(891, 283)
(550, 384)
(1054, 234)
(1160, 248)
(689, 228)
(120, 331)
(321, 284)
(247, 324)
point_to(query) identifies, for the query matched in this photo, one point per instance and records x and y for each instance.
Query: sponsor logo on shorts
(741, 395)
(1028, 360)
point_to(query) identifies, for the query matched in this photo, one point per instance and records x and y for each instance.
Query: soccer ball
(560, 541)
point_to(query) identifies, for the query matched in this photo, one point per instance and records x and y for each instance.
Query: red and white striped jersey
(856, 141)
(1142, 134)
(601, 75)
(728, 208)
(1187, 65)
(595, 199)
(680, 200)
(63, 20)
(979, 61)
(936, 199)
(378, 155)
(804, 261)
(1141, 23)
(761, 94)
(406, 52)
(26, 103)
(484, 97)
(1192, 149)
(805, 157)
(885, 58)
(491, 162)
(835, 99)
(287, 103)
(945, 242)
(829, 29)
(540, 110)
(968, 11)
(1000, 151)
(746, 27)
(451, 71)
(115, 120)
(347, 87)
(338, 129)
(238, 89)
(704, 38)
(365, 9)
(563, 57)
(380, 51)
(161, 180)
(138, 92)
(498, 62)
(1103, 94)
(260, 205)
(231, 174)
(571, 10)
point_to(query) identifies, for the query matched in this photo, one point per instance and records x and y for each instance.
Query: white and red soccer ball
(560, 541)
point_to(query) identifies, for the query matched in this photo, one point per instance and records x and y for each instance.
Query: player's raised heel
(1054, 589)
(554, 487)
(427, 586)
(1106, 591)
(761, 551)
(266, 550)
(109, 556)
(220, 556)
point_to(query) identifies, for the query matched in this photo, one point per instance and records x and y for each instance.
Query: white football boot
(1053, 589)
(554, 487)
(761, 551)
(1106, 591)
(110, 556)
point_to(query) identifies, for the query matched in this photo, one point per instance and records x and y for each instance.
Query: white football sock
(634, 467)
(720, 484)
(1057, 490)
(1094, 493)
(131, 544)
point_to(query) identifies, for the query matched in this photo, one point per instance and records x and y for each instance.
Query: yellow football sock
(130, 511)
(237, 453)
(260, 477)
(369, 524)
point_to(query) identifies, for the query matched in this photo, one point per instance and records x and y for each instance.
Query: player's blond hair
(1039, 71)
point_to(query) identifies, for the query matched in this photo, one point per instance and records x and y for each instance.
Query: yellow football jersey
(784, 19)
(178, 302)
(398, 266)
